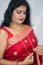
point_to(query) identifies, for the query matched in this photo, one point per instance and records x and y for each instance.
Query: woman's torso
(19, 46)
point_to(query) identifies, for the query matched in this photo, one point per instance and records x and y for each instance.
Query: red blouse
(20, 46)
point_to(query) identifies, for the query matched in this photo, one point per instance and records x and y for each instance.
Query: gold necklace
(17, 27)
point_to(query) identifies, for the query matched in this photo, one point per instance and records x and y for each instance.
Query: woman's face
(19, 14)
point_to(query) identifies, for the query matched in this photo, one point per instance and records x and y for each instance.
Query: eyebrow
(20, 10)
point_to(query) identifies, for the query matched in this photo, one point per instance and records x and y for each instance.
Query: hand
(39, 50)
(28, 60)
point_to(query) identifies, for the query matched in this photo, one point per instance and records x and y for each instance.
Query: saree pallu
(21, 45)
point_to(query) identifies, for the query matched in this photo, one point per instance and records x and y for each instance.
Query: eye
(24, 13)
(18, 12)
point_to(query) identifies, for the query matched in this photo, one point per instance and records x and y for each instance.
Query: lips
(21, 19)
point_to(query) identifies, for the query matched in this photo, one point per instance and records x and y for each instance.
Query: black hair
(13, 5)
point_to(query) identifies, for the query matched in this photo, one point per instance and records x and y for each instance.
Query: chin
(20, 22)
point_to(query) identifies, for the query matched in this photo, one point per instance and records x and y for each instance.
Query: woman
(18, 44)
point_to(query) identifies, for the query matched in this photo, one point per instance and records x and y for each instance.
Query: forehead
(22, 7)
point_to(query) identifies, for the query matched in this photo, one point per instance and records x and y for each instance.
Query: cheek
(14, 16)
(25, 17)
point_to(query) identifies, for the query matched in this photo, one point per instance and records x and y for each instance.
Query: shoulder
(29, 27)
(3, 32)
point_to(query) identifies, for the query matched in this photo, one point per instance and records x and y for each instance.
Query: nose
(22, 15)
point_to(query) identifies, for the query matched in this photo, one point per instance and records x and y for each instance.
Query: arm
(7, 62)
(28, 60)
(3, 43)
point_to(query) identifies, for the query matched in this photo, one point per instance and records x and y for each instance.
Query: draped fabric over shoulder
(21, 45)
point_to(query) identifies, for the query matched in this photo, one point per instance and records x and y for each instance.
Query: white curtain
(37, 18)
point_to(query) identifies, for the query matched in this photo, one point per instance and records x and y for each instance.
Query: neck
(16, 26)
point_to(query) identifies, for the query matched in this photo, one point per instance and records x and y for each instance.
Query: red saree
(21, 45)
